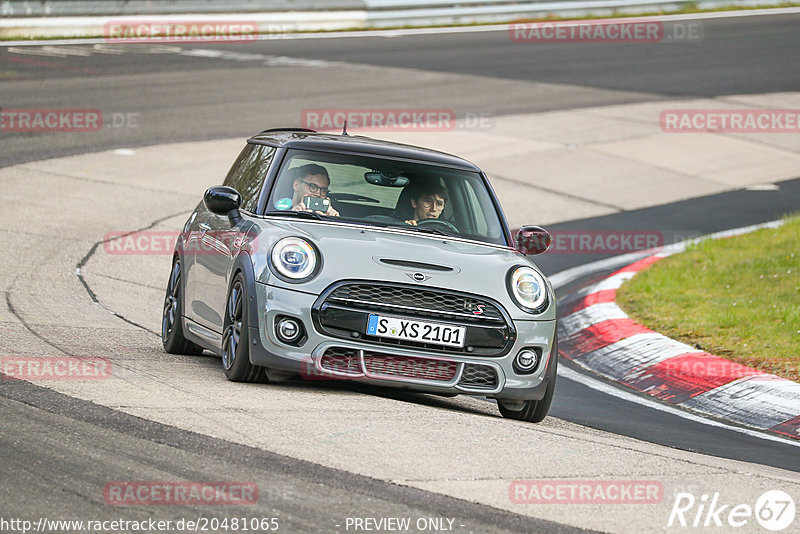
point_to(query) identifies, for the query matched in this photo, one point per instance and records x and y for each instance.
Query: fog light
(288, 329)
(526, 360)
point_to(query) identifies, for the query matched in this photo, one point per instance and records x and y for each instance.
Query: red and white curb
(596, 334)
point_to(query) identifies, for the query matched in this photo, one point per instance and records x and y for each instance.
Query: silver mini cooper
(344, 257)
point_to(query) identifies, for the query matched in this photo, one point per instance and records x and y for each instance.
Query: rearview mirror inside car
(386, 180)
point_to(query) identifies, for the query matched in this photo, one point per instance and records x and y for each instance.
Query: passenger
(427, 203)
(311, 180)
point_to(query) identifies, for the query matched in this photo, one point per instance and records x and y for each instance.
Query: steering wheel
(433, 223)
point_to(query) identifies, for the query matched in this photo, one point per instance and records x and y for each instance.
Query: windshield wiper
(423, 230)
(300, 214)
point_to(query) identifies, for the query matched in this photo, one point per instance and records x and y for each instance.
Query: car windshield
(386, 193)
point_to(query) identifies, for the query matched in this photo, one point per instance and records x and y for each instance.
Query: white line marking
(52, 51)
(431, 31)
(763, 187)
(575, 376)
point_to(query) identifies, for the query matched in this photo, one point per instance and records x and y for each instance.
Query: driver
(311, 180)
(427, 203)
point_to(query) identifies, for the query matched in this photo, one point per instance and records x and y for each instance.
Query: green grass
(738, 298)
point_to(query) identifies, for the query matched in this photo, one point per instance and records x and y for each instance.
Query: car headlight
(528, 289)
(294, 259)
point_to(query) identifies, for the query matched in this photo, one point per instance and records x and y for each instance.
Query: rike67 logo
(774, 510)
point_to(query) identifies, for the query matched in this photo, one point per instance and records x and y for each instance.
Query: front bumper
(394, 366)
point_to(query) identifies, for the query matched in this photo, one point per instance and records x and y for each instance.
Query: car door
(220, 241)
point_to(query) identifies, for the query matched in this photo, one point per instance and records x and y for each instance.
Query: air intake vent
(417, 265)
(478, 376)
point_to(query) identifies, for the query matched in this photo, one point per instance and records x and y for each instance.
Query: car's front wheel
(235, 348)
(535, 411)
(171, 326)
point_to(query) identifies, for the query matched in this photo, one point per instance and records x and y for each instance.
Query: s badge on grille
(475, 309)
(418, 277)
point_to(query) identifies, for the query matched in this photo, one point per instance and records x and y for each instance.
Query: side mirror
(222, 200)
(532, 240)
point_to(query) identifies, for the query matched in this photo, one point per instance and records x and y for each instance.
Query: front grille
(343, 311)
(478, 376)
(416, 301)
(340, 360)
(409, 367)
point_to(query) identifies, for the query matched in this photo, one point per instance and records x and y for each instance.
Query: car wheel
(235, 339)
(171, 326)
(535, 411)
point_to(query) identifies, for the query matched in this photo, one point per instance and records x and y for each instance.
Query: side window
(247, 174)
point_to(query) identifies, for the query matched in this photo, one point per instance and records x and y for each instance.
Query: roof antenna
(344, 129)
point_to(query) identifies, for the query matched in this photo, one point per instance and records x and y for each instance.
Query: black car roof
(310, 140)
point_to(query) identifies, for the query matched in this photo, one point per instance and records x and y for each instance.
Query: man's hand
(330, 211)
(412, 222)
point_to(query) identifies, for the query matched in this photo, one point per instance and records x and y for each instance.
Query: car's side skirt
(200, 335)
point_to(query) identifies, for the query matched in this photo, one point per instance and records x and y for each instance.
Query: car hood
(355, 252)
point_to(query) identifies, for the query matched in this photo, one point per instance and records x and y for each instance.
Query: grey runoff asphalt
(191, 108)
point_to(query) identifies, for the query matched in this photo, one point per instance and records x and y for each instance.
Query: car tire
(171, 324)
(236, 338)
(535, 411)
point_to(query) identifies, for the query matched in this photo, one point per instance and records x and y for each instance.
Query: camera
(316, 203)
